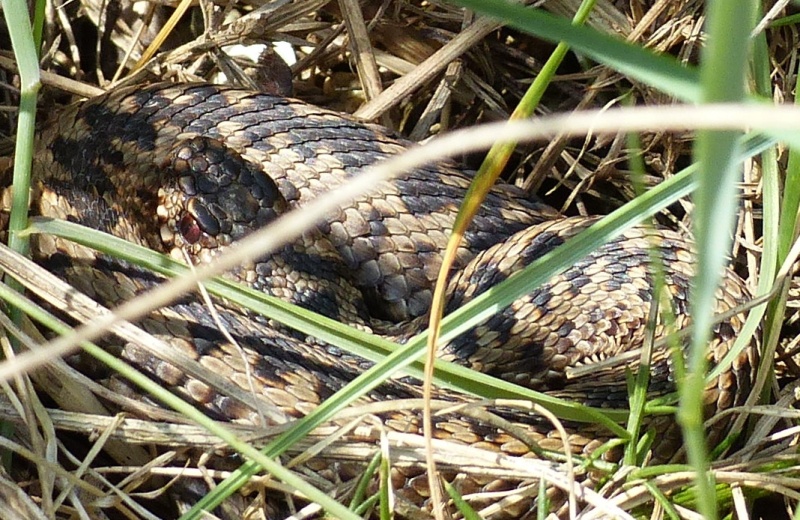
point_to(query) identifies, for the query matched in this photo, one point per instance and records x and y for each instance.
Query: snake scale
(190, 168)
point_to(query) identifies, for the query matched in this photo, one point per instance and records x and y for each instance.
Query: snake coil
(191, 168)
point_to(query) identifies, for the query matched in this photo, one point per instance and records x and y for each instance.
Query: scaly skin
(192, 168)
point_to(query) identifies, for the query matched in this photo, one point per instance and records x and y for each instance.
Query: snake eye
(203, 217)
(189, 229)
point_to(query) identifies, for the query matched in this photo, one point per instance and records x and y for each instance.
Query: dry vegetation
(421, 68)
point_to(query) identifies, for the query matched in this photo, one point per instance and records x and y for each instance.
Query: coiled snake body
(194, 167)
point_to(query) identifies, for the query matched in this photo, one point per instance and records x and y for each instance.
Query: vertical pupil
(189, 229)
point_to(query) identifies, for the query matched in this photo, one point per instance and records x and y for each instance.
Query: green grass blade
(21, 32)
(19, 27)
(467, 512)
(773, 229)
(722, 74)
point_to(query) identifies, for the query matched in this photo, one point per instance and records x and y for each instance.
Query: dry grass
(421, 69)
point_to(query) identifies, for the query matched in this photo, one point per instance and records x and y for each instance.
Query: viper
(189, 169)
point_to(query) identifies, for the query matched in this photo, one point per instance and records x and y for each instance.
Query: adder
(191, 168)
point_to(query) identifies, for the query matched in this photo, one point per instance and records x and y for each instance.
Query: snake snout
(215, 197)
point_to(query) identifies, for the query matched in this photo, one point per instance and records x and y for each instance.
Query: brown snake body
(192, 168)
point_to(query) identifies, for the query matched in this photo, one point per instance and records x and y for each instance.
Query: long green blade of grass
(775, 230)
(722, 74)
(19, 25)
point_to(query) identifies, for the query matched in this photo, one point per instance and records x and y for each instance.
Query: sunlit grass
(660, 72)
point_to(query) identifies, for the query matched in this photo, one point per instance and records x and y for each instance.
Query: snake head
(213, 197)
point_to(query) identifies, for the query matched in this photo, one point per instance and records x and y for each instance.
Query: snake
(188, 169)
